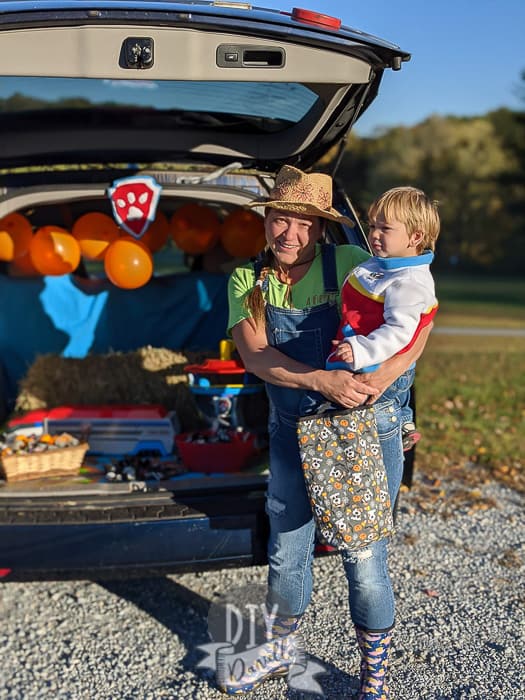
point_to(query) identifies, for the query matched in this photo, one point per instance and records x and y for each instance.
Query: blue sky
(467, 55)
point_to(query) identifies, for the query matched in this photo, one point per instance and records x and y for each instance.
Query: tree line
(473, 166)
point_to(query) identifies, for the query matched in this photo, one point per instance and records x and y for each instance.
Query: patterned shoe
(247, 670)
(374, 647)
(410, 436)
(278, 626)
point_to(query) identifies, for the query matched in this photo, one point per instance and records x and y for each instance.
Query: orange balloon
(128, 263)
(54, 251)
(195, 228)
(23, 266)
(94, 232)
(16, 233)
(242, 233)
(157, 234)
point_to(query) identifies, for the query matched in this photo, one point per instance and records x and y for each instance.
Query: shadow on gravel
(334, 683)
(185, 614)
(179, 609)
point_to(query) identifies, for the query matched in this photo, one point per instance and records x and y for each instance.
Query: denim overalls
(306, 335)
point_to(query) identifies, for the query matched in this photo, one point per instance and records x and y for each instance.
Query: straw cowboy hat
(302, 193)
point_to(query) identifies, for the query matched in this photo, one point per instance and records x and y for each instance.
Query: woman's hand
(343, 387)
(383, 376)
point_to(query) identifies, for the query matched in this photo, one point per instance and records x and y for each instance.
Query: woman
(284, 314)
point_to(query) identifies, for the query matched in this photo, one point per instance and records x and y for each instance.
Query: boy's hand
(343, 351)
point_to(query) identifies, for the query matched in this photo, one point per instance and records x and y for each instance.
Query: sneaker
(410, 436)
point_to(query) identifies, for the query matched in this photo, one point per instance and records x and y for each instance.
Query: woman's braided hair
(254, 301)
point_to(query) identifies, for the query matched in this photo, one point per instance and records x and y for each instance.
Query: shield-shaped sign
(134, 202)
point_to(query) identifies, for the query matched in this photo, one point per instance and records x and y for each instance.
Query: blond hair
(413, 208)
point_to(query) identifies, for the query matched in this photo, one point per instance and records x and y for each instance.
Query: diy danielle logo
(243, 647)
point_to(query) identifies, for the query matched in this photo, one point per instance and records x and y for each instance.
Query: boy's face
(390, 239)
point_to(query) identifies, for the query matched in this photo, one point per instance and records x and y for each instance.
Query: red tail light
(315, 18)
(5, 572)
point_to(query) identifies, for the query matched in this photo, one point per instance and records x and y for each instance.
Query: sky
(467, 55)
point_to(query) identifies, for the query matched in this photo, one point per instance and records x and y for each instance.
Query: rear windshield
(273, 106)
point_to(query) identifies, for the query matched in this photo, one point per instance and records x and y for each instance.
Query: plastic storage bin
(217, 456)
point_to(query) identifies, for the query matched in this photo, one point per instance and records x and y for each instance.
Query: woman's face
(292, 237)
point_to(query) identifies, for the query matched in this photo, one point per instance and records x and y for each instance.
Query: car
(196, 104)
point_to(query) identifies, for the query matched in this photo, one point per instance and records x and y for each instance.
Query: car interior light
(315, 18)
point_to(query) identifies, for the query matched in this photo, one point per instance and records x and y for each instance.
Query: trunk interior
(140, 370)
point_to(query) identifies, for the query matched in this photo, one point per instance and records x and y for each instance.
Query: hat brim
(302, 208)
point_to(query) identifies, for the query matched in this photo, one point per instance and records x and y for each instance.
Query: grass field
(483, 302)
(471, 389)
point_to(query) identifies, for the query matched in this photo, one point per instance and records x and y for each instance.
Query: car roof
(226, 81)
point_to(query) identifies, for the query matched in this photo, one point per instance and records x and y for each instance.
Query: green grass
(471, 408)
(466, 301)
(471, 389)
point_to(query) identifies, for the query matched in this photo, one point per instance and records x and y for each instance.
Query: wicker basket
(64, 461)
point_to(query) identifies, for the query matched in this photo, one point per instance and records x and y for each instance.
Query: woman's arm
(393, 368)
(271, 365)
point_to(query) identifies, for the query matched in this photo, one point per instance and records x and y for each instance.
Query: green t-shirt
(309, 291)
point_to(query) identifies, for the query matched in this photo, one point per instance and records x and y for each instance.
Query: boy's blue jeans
(292, 527)
(401, 390)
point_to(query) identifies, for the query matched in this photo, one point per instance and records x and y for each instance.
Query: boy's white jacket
(405, 289)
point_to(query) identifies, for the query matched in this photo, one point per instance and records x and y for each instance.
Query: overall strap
(258, 265)
(329, 267)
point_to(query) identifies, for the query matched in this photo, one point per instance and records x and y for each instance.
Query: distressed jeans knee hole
(358, 556)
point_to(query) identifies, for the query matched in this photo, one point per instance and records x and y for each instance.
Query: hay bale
(147, 375)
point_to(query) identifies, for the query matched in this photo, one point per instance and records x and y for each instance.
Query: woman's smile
(292, 237)
(286, 245)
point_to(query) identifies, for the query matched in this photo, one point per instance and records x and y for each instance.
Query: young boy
(388, 299)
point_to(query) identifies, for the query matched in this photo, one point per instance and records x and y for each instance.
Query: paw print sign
(134, 202)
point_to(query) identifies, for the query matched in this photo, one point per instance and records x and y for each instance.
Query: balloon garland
(94, 232)
(16, 233)
(54, 251)
(157, 234)
(242, 233)
(128, 263)
(195, 228)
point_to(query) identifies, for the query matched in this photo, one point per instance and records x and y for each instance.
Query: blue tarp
(73, 317)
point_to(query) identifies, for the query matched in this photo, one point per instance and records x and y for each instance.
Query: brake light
(5, 572)
(315, 18)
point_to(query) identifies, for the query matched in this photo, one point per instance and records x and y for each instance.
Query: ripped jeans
(292, 527)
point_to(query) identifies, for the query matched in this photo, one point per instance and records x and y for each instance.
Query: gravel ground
(458, 574)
